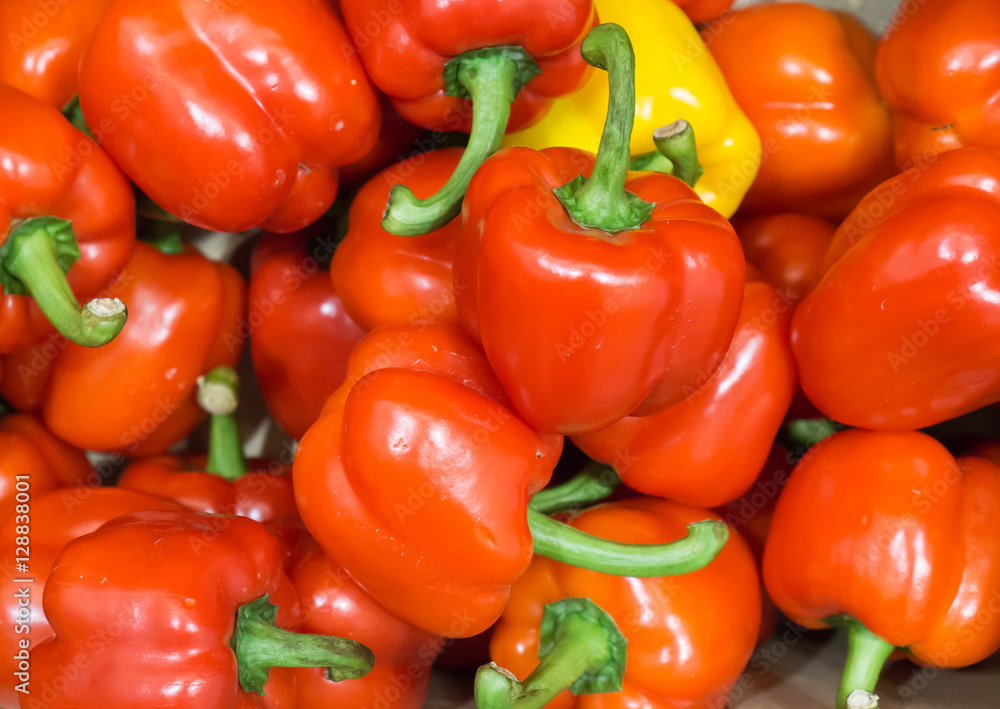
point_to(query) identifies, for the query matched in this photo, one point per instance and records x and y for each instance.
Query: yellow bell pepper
(676, 78)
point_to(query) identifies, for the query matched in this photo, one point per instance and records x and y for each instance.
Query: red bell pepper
(300, 332)
(67, 226)
(804, 76)
(788, 249)
(595, 297)
(395, 138)
(334, 604)
(701, 451)
(417, 480)
(43, 45)
(937, 68)
(33, 461)
(689, 637)
(224, 482)
(701, 11)
(901, 333)
(55, 519)
(479, 66)
(186, 311)
(385, 280)
(186, 595)
(229, 115)
(913, 562)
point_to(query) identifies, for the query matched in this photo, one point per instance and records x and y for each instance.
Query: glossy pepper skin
(384, 279)
(604, 325)
(136, 394)
(229, 116)
(300, 332)
(679, 655)
(916, 559)
(49, 168)
(406, 56)
(42, 58)
(57, 518)
(788, 249)
(172, 582)
(669, 53)
(701, 451)
(703, 10)
(29, 453)
(395, 138)
(805, 78)
(937, 68)
(334, 604)
(416, 479)
(900, 333)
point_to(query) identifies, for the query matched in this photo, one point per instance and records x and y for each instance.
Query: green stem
(260, 645)
(564, 543)
(492, 78)
(218, 394)
(601, 202)
(809, 432)
(676, 143)
(580, 648)
(74, 114)
(34, 260)
(593, 484)
(163, 236)
(866, 654)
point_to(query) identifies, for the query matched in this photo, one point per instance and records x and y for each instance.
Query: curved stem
(564, 543)
(218, 394)
(591, 485)
(492, 78)
(601, 202)
(260, 645)
(866, 654)
(34, 260)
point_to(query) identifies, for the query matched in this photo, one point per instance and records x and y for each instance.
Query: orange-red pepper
(67, 226)
(300, 331)
(689, 637)
(384, 279)
(937, 68)
(229, 115)
(913, 562)
(43, 43)
(186, 312)
(805, 78)
(901, 333)
(334, 604)
(701, 451)
(596, 293)
(187, 595)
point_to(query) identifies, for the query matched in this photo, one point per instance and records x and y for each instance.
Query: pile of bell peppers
(592, 336)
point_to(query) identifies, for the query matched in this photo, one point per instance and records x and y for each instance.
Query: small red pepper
(788, 249)
(334, 604)
(689, 636)
(31, 457)
(937, 68)
(56, 519)
(43, 45)
(67, 226)
(595, 297)
(701, 451)
(186, 311)
(417, 480)
(386, 280)
(229, 115)
(300, 332)
(888, 534)
(805, 78)
(901, 333)
(479, 66)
